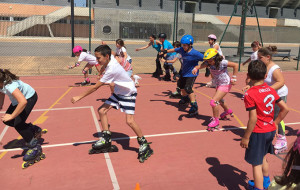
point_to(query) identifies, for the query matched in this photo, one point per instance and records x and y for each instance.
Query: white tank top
(283, 91)
(219, 50)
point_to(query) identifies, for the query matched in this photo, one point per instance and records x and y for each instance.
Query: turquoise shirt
(167, 45)
(25, 89)
(156, 46)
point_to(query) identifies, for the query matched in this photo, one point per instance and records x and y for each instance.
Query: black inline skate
(184, 100)
(103, 145)
(176, 94)
(34, 154)
(85, 83)
(144, 151)
(194, 109)
(37, 131)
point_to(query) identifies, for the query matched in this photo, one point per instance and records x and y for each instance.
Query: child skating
(166, 45)
(218, 68)
(125, 60)
(275, 79)
(23, 98)
(156, 44)
(123, 98)
(212, 44)
(190, 58)
(84, 55)
(260, 101)
(255, 47)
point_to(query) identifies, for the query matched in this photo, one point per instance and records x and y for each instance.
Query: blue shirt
(25, 89)
(167, 45)
(156, 46)
(189, 61)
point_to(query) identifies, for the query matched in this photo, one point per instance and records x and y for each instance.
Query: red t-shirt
(263, 99)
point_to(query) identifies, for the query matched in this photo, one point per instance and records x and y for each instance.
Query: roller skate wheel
(37, 159)
(27, 164)
(43, 156)
(44, 131)
(276, 152)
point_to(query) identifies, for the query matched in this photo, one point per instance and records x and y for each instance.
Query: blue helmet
(187, 39)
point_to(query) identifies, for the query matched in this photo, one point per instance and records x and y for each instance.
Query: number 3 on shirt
(269, 104)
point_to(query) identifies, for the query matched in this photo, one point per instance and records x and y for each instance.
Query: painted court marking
(110, 167)
(134, 137)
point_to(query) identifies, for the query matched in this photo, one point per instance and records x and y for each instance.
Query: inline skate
(194, 109)
(103, 145)
(144, 151)
(34, 154)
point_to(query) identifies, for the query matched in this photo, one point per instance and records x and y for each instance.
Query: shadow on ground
(227, 175)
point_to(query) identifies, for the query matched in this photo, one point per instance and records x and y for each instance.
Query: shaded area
(237, 94)
(20, 143)
(120, 138)
(289, 131)
(235, 130)
(227, 175)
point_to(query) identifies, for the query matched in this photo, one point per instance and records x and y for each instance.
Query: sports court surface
(186, 156)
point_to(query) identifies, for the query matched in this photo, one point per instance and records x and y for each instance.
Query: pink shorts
(224, 88)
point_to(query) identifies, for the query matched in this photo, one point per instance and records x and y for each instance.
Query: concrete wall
(168, 5)
(113, 18)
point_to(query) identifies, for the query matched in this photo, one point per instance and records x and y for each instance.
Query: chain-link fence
(40, 44)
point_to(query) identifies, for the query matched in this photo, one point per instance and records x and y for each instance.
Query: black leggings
(158, 65)
(19, 122)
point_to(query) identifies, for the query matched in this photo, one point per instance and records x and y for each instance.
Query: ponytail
(268, 51)
(7, 77)
(218, 59)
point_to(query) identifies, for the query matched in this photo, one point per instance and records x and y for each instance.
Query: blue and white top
(26, 90)
(189, 61)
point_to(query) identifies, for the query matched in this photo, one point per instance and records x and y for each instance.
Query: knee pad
(188, 89)
(222, 101)
(84, 71)
(214, 103)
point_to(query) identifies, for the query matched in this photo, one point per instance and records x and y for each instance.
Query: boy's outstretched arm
(88, 92)
(250, 126)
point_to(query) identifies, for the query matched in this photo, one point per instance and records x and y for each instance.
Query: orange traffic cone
(137, 187)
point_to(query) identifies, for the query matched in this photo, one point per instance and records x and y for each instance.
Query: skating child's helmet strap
(297, 142)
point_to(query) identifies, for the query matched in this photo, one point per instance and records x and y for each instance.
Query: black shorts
(259, 145)
(186, 82)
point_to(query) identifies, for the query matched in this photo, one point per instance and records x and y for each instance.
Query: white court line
(3, 132)
(54, 109)
(110, 167)
(134, 137)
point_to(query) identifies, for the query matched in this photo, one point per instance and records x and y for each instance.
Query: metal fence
(41, 44)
